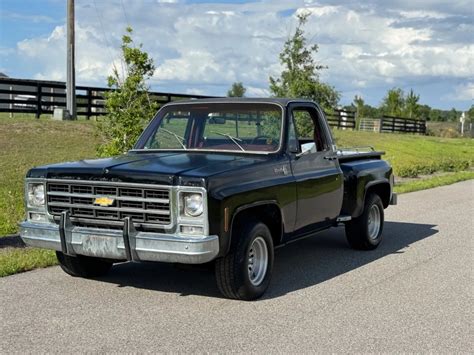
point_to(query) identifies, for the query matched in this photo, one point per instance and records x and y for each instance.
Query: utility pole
(71, 71)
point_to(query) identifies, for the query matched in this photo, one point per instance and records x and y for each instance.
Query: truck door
(315, 167)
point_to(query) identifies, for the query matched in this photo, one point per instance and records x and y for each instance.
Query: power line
(125, 14)
(99, 17)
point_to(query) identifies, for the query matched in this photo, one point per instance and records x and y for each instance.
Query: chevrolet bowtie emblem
(104, 201)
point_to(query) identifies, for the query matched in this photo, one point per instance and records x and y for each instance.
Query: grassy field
(412, 155)
(13, 261)
(27, 142)
(434, 181)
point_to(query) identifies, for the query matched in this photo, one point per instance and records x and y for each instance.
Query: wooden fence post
(89, 104)
(38, 100)
(11, 103)
(51, 99)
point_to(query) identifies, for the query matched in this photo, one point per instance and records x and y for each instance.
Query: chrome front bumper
(127, 244)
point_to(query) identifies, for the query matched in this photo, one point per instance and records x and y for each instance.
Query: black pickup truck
(216, 180)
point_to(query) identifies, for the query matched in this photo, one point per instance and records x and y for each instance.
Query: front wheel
(365, 231)
(245, 272)
(83, 266)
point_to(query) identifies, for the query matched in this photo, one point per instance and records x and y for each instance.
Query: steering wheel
(259, 137)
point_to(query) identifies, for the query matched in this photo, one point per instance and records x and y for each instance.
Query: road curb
(11, 241)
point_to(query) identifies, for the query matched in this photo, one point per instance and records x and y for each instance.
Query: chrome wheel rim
(374, 222)
(257, 261)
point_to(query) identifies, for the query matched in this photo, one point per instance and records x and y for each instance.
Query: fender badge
(281, 170)
(104, 201)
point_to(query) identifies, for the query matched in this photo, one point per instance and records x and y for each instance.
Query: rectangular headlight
(193, 204)
(35, 194)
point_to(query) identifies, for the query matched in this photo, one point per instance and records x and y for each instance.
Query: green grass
(28, 142)
(435, 181)
(13, 261)
(412, 155)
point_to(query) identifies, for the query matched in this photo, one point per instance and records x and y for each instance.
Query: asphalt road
(413, 294)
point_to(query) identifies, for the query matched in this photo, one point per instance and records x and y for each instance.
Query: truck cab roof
(279, 101)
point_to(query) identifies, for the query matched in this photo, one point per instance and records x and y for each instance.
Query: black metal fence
(341, 119)
(42, 97)
(392, 124)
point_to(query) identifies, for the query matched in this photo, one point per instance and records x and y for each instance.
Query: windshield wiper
(178, 138)
(233, 139)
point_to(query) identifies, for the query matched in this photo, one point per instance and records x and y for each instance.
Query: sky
(202, 47)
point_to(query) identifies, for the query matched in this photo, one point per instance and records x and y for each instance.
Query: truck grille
(145, 204)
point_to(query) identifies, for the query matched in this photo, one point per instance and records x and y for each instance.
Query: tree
(453, 115)
(424, 112)
(359, 104)
(470, 114)
(237, 90)
(393, 103)
(300, 75)
(412, 108)
(129, 107)
(437, 115)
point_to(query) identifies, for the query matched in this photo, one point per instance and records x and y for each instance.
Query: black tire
(233, 270)
(359, 232)
(83, 266)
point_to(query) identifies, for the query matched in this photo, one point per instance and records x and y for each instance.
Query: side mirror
(306, 149)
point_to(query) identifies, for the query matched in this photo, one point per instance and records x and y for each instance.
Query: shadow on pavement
(299, 265)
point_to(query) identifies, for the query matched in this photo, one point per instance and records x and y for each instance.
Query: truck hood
(159, 168)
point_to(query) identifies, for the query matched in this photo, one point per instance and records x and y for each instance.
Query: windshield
(244, 127)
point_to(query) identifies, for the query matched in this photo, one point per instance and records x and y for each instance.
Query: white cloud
(462, 92)
(208, 46)
(319, 11)
(194, 91)
(257, 92)
(93, 61)
(422, 14)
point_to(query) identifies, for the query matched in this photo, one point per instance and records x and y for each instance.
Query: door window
(309, 128)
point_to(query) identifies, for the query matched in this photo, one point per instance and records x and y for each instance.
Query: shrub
(129, 107)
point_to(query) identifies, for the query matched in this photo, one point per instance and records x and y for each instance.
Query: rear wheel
(365, 231)
(83, 266)
(245, 272)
